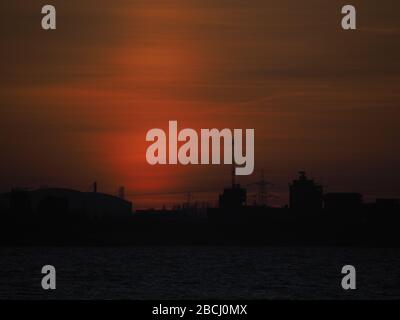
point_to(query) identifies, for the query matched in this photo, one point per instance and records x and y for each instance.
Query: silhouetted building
(52, 207)
(305, 194)
(59, 202)
(232, 198)
(4, 203)
(20, 202)
(388, 205)
(343, 201)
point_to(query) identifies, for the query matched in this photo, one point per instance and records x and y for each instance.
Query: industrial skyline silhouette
(56, 215)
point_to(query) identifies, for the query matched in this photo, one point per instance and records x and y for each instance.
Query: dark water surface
(145, 272)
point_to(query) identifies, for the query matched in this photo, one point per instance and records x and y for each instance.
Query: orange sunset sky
(76, 103)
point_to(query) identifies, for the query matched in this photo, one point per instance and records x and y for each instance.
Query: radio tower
(262, 189)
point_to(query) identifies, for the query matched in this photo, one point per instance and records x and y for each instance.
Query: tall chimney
(121, 192)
